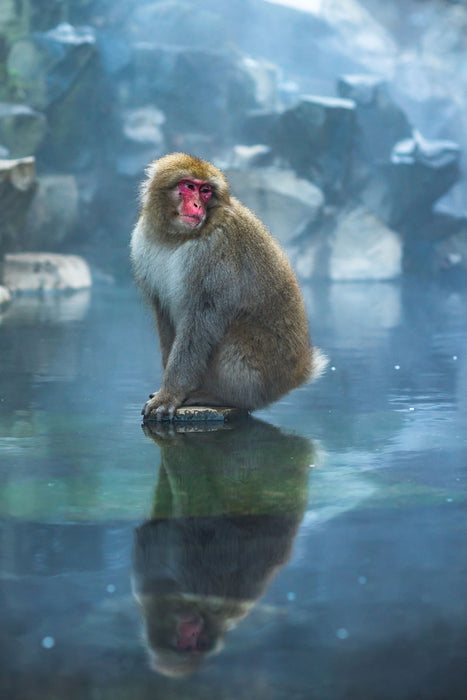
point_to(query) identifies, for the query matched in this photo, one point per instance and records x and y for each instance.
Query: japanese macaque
(230, 314)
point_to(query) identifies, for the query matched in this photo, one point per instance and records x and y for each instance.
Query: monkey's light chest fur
(162, 271)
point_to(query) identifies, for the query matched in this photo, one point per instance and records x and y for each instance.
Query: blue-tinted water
(319, 551)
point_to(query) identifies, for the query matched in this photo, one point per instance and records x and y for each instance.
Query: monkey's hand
(161, 404)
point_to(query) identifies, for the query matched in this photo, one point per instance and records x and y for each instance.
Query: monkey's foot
(161, 405)
(186, 414)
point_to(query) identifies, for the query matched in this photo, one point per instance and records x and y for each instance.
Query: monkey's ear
(152, 169)
(150, 173)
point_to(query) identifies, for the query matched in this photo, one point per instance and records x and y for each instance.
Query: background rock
(450, 258)
(380, 124)
(170, 22)
(403, 191)
(59, 72)
(244, 157)
(316, 137)
(22, 129)
(143, 140)
(5, 297)
(283, 201)
(45, 272)
(47, 64)
(352, 246)
(17, 186)
(53, 213)
(216, 85)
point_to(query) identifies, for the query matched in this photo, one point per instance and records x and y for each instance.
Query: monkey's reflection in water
(227, 506)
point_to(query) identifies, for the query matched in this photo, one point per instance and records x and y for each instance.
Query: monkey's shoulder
(245, 224)
(244, 219)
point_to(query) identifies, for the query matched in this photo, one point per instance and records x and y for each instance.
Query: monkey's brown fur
(230, 314)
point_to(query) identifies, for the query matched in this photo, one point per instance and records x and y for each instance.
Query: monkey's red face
(192, 197)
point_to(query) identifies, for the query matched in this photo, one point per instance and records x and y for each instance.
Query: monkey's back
(272, 316)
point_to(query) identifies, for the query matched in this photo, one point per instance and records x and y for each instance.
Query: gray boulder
(61, 75)
(404, 190)
(5, 297)
(17, 186)
(176, 22)
(285, 203)
(48, 64)
(215, 85)
(258, 126)
(380, 124)
(353, 246)
(450, 254)
(246, 157)
(143, 140)
(265, 77)
(53, 213)
(22, 129)
(316, 137)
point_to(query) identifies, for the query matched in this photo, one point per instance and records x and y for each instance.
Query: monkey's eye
(206, 192)
(187, 185)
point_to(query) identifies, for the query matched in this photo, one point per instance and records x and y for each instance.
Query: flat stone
(187, 414)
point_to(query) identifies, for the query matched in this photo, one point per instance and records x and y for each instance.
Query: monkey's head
(183, 193)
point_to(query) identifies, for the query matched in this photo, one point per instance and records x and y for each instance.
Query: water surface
(320, 547)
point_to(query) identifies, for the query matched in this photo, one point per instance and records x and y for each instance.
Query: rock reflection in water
(227, 506)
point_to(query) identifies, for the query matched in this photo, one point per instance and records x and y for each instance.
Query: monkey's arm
(203, 326)
(165, 331)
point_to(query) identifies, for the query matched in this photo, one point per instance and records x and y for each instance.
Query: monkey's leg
(252, 367)
(202, 398)
(234, 378)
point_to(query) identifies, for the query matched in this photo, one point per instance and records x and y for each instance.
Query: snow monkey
(230, 315)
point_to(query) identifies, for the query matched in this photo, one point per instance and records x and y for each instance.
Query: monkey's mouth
(191, 220)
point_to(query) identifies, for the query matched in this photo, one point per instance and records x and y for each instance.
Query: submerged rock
(45, 272)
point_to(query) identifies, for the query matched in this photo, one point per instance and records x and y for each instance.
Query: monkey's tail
(319, 362)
